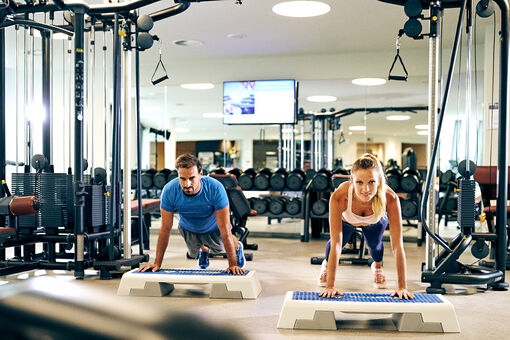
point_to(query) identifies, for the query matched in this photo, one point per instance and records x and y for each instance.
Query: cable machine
(75, 200)
(446, 266)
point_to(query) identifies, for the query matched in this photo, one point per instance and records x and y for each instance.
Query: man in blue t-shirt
(204, 217)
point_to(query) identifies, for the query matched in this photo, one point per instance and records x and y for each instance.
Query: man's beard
(189, 192)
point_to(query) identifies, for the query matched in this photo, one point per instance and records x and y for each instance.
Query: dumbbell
(251, 200)
(161, 177)
(261, 180)
(309, 174)
(393, 177)
(219, 171)
(410, 180)
(278, 179)
(246, 179)
(277, 204)
(341, 171)
(236, 172)
(447, 177)
(260, 204)
(293, 206)
(173, 174)
(147, 178)
(133, 179)
(409, 208)
(322, 180)
(451, 203)
(320, 207)
(296, 179)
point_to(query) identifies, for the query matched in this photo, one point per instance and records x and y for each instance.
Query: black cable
(476, 91)
(457, 136)
(433, 153)
(491, 127)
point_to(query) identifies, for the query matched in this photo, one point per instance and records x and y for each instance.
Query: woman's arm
(397, 243)
(337, 206)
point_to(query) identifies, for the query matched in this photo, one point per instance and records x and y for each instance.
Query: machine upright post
(79, 200)
(501, 205)
(433, 104)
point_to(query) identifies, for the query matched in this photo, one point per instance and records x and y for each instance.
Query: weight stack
(54, 199)
(94, 210)
(51, 189)
(466, 204)
(26, 185)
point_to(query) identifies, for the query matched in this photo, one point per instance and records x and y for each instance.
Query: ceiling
(355, 39)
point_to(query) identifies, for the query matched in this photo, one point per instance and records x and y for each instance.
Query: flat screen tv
(259, 102)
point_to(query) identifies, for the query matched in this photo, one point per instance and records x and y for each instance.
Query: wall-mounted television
(259, 102)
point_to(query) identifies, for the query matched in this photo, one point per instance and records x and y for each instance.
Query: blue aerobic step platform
(425, 313)
(160, 283)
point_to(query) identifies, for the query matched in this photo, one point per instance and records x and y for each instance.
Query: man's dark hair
(188, 161)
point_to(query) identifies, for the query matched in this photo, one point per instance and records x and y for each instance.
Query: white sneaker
(322, 280)
(379, 278)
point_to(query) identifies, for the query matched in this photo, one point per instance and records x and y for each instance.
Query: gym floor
(283, 264)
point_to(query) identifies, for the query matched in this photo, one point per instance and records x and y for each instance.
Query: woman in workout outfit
(366, 202)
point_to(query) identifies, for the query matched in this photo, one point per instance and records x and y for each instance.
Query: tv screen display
(259, 102)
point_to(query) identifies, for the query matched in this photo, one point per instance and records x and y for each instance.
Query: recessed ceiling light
(187, 43)
(301, 9)
(369, 81)
(398, 117)
(212, 115)
(180, 130)
(198, 86)
(421, 127)
(423, 133)
(236, 36)
(321, 99)
(357, 128)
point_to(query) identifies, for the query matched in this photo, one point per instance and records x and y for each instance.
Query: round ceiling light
(301, 9)
(398, 117)
(421, 127)
(369, 81)
(198, 86)
(236, 36)
(321, 99)
(357, 128)
(187, 43)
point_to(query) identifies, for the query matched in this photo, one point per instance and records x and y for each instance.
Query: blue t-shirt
(196, 213)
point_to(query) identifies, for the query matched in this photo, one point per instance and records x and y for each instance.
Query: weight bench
(240, 208)
(160, 283)
(425, 313)
(5, 233)
(149, 206)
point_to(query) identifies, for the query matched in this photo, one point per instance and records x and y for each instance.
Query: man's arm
(223, 221)
(167, 221)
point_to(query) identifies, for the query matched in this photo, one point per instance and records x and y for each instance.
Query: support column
(79, 200)
(433, 104)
